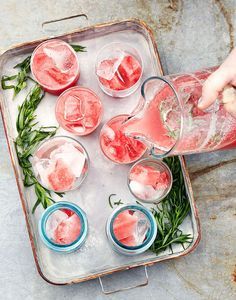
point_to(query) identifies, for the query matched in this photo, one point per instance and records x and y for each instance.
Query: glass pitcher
(170, 122)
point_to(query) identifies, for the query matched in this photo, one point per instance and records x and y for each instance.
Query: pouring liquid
(160, 125)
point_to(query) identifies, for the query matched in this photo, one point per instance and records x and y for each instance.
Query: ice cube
(71, 156)
(109, 132)
(80, 128)
(68, 230)
(108, 67)
(92, 112)
(74, 108)
(43, 167)
(61, 59)
(142, 227)
(62, 178)
(146, 192)
(53, 221)
(124, 225)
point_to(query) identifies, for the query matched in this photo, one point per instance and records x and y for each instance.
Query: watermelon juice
(63, 226)
(118, 147)
(79, 110)
(171, 122)
(55, 66)
(60, 164)
(150, 180)
(119, 69)
(131, 229)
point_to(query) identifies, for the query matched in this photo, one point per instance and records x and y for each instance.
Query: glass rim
(84, 150)
(76, 87)
(32, 69)
(44, 219)
(132, 88)
(159, 162)
(100, 143)
(151, 235)
(171, 86)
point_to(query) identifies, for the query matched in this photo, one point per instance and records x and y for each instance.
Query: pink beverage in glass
(79, 110)
(170, 121)
(118, 147)
(63, 226)
(60, 164)
(150, 180)
(55, 66)
(119, 69)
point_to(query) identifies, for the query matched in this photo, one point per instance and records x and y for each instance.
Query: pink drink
(63, 227)
(127, 74)
(171, 130)
(124, 227)
(119, 69)
(60, 164)
(79, 110)
(150, 180)
(55, 66)
(118, 147)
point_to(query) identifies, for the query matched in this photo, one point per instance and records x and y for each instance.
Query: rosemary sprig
(21, 78)
(28, 139)
(115, 203)
(171, 212)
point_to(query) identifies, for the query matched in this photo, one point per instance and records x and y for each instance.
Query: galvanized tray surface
(95, 258)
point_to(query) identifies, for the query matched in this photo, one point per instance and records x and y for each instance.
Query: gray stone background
(190, 35)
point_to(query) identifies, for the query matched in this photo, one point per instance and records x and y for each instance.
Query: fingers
(231, 108)
(216, 82)
(212, 87)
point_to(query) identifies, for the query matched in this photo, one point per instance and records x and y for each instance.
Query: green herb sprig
(171, 212)
(20, 78)
(28, 139)
(114, 203)
(78, 48)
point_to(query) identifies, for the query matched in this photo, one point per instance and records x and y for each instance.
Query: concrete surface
(190, 35)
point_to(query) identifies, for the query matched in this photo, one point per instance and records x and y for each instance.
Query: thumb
(212, 87)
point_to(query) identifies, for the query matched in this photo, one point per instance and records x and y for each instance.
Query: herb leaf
(78, 48)
(28, 139)
(21, 77)
(115, 203)
(171, 212)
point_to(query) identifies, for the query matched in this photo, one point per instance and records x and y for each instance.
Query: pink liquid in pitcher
(159, 122)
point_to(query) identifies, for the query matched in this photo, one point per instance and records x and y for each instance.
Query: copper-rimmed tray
(95, 258)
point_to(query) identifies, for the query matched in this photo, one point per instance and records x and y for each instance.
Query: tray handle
(115, 290)
(82, 15)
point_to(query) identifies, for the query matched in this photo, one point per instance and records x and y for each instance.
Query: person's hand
(222, 79)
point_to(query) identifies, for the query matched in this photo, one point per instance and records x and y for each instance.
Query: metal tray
(95, 258)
